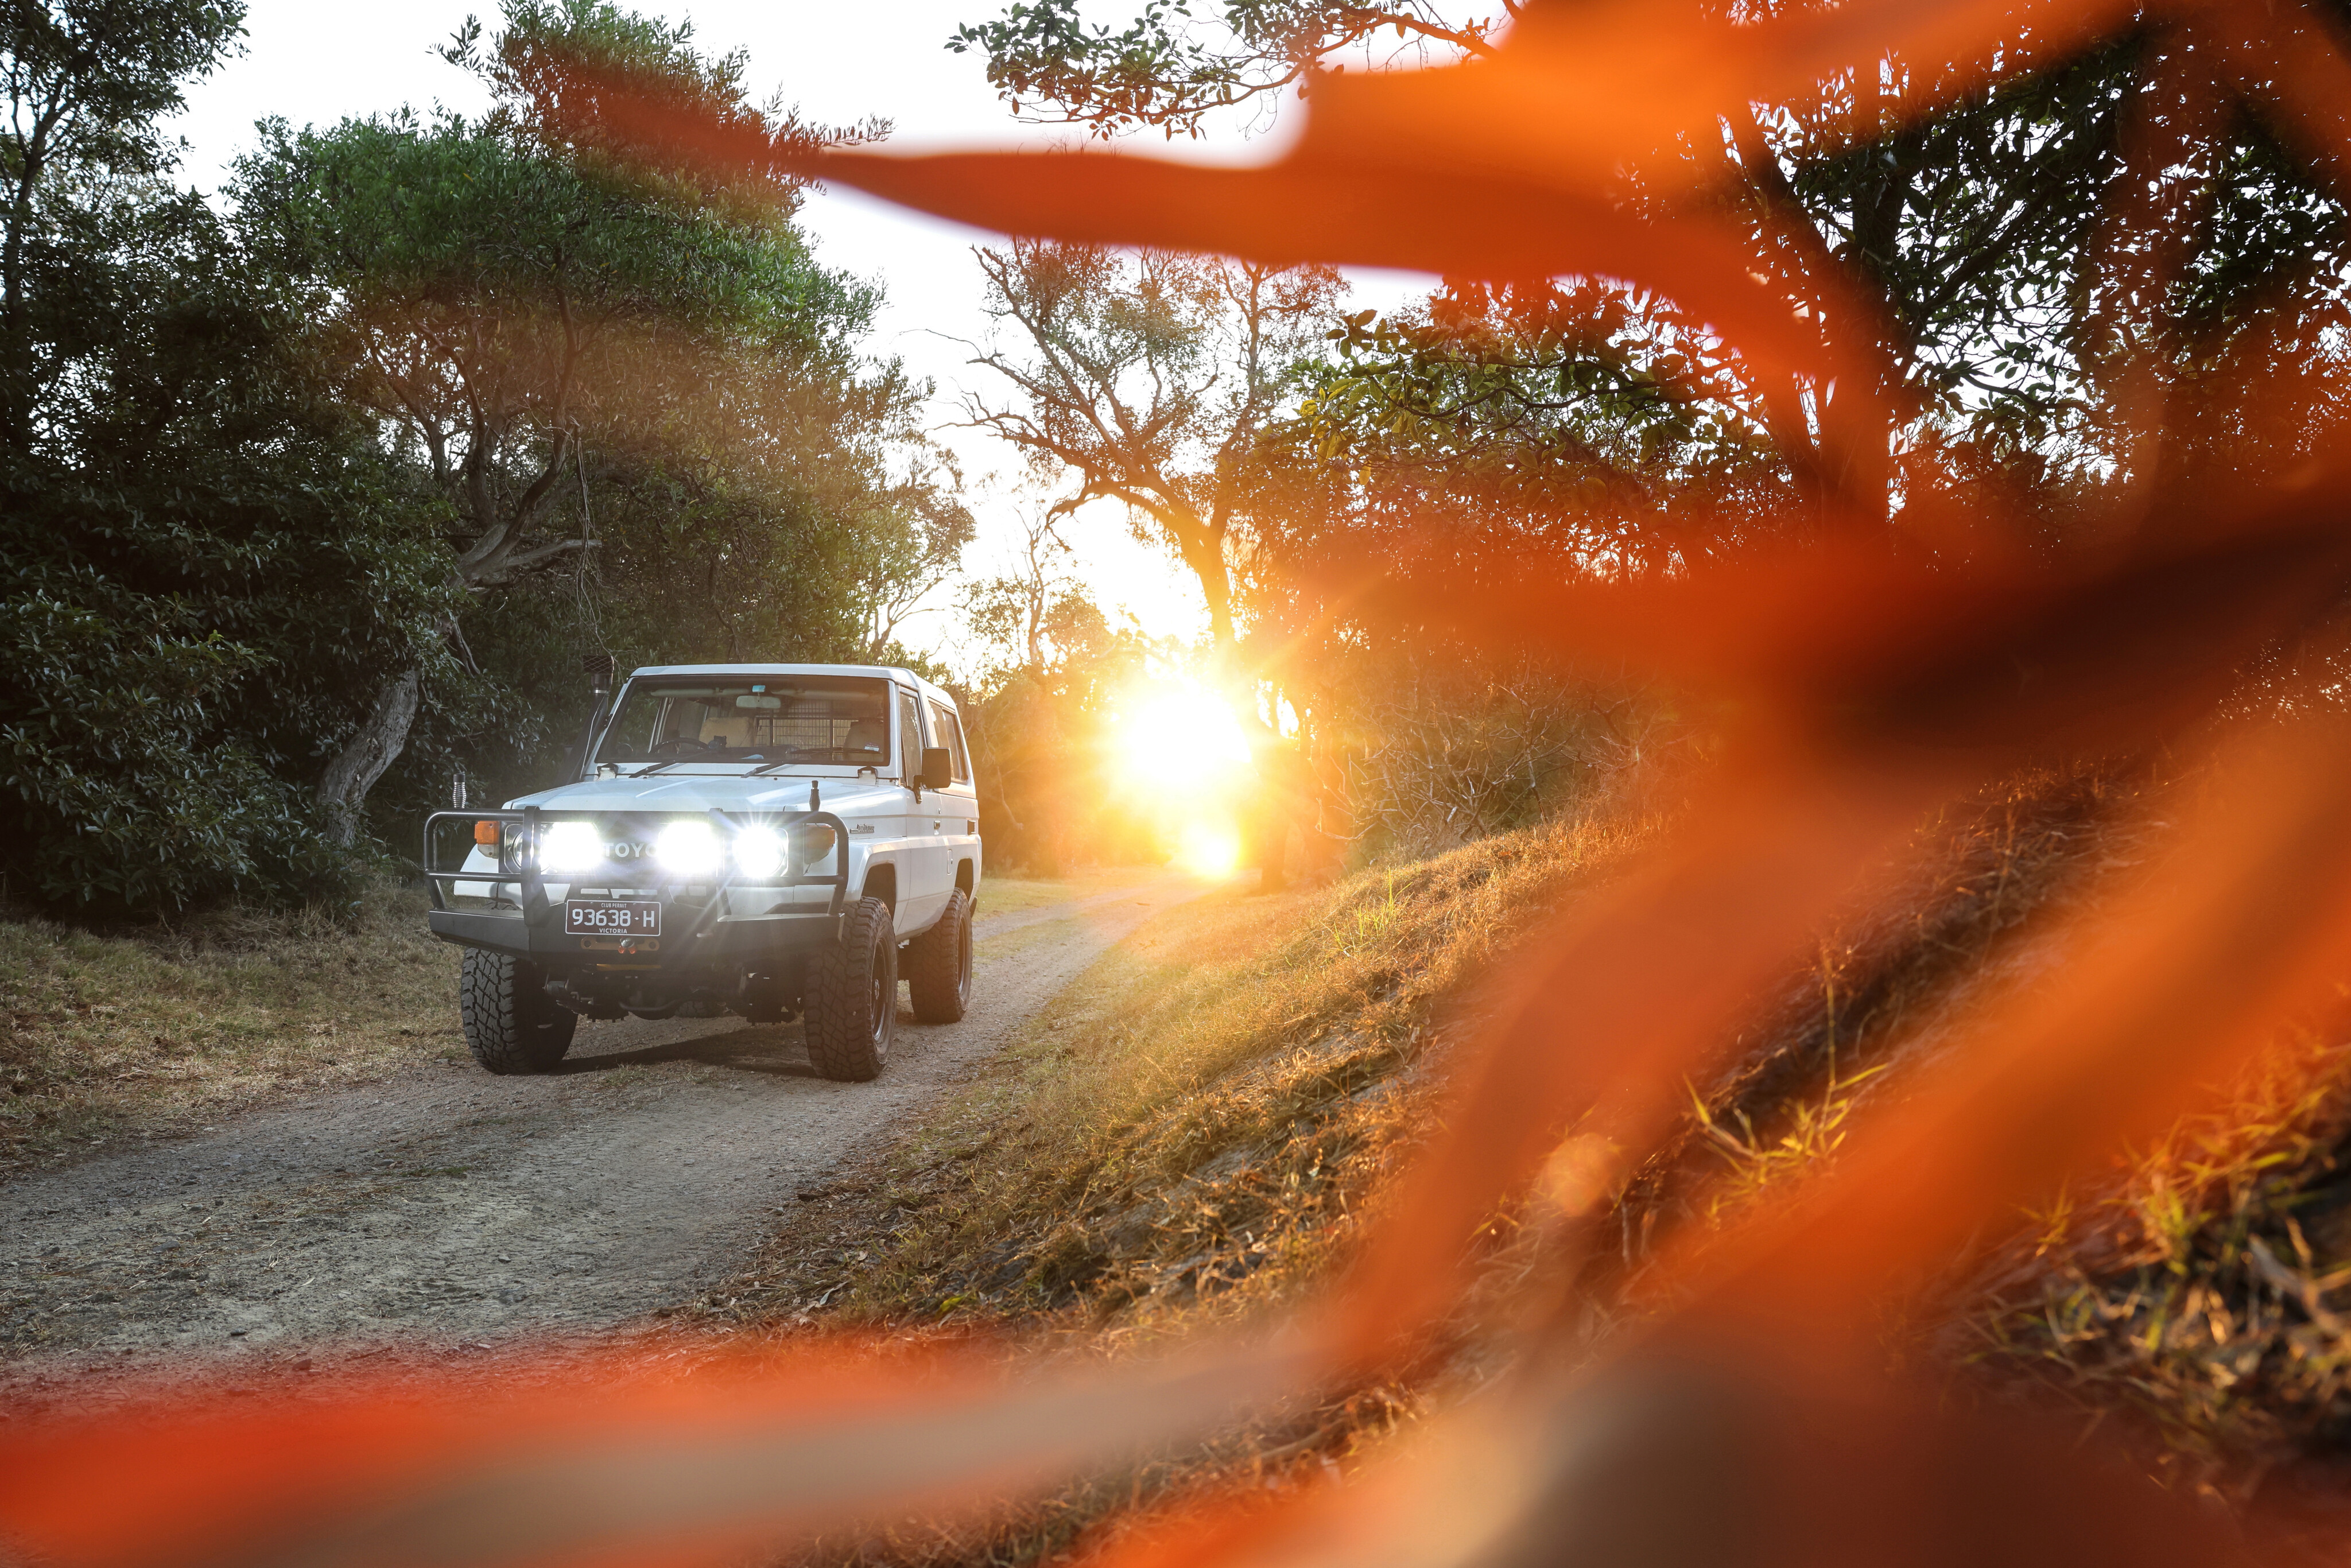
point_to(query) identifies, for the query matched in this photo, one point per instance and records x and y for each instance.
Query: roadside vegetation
(1193, 1120)
(2198, 1296)
(154, 1031)
(1198, 1131)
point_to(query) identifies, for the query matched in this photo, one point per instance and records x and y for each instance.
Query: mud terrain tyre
(938, 965)
(511, 1024)
(852, 995)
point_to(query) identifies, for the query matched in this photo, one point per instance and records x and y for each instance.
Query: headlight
(812, 844)
(758, 852)
(689, 849)
(570, 847)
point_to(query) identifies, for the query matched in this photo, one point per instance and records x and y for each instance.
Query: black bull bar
(540, 918)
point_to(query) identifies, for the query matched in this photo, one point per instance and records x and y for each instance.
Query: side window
(910, 737)
(950, 733)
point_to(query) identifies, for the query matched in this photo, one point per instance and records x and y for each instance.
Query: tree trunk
(1202, 547)
(378, 745)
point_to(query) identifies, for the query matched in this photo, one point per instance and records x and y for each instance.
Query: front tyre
(511, 1024)
(938, 965)
(852, 995)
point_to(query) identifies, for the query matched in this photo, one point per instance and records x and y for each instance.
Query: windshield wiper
(650, 769)
(785, 761)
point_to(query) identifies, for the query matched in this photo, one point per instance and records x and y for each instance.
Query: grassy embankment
(1199, 1127)
(1191, 1122)
(151, 1031)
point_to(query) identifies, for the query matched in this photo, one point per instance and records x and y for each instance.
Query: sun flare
(1186, 739)
(1208, 850)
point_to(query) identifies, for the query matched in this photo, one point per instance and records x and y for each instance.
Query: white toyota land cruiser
(770, 840)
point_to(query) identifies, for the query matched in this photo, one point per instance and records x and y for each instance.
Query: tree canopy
(2057, 232)
(1149, 380)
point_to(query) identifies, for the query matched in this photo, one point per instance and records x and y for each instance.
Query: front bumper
(747, 940)
(722, 923)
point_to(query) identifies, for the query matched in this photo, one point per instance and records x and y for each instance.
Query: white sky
(314, 63)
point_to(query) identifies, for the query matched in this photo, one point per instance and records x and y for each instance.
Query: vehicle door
(923, 871)
(955, 810)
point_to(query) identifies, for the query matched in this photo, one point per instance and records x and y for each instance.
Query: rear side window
(948, 732)
(910, 737)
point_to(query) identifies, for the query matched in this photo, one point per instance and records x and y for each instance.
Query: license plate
(611, 917)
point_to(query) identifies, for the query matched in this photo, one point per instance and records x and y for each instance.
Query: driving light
(758, 852)
(571, 846)
(689, 849)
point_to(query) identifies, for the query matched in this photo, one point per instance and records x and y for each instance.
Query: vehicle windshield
(752, 718)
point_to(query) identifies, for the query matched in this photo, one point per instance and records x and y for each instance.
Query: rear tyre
(938, 965)
(511, 1024)
(852, 995)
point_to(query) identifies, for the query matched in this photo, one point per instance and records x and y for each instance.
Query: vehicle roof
(882, 672)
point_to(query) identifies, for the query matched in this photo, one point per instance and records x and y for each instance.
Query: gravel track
(448, 1207)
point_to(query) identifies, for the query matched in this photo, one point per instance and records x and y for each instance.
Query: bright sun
(1185, 749)
(1183, 739)
(1207, 851)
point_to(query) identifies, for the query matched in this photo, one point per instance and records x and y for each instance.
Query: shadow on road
(777, 1049)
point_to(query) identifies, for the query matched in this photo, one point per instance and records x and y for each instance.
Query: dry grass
(1190, 1133)
(1983, 885)
(1195, 1122)
(1195, 1132)
(2201, 1298)
(1194, 1125)
(151, 1031)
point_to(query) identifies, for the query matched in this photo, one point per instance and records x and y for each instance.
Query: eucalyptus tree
(1546, 425)
(917, 535)
(204, 558)
(2030, 265)
(1169, 70)
(503, 291)
(1147, 379)
(1023, 612)
(87, 82)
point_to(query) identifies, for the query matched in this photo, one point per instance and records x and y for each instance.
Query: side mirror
(938, 768)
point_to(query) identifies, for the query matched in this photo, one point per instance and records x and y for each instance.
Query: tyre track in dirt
(447, 1207)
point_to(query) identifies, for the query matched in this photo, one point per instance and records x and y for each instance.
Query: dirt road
(444, 1206)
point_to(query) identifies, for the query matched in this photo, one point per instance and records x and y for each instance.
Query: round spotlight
(571, 847)
(688, 849)
(758, 852)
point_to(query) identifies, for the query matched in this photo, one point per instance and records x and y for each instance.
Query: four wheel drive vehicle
(770, 840)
